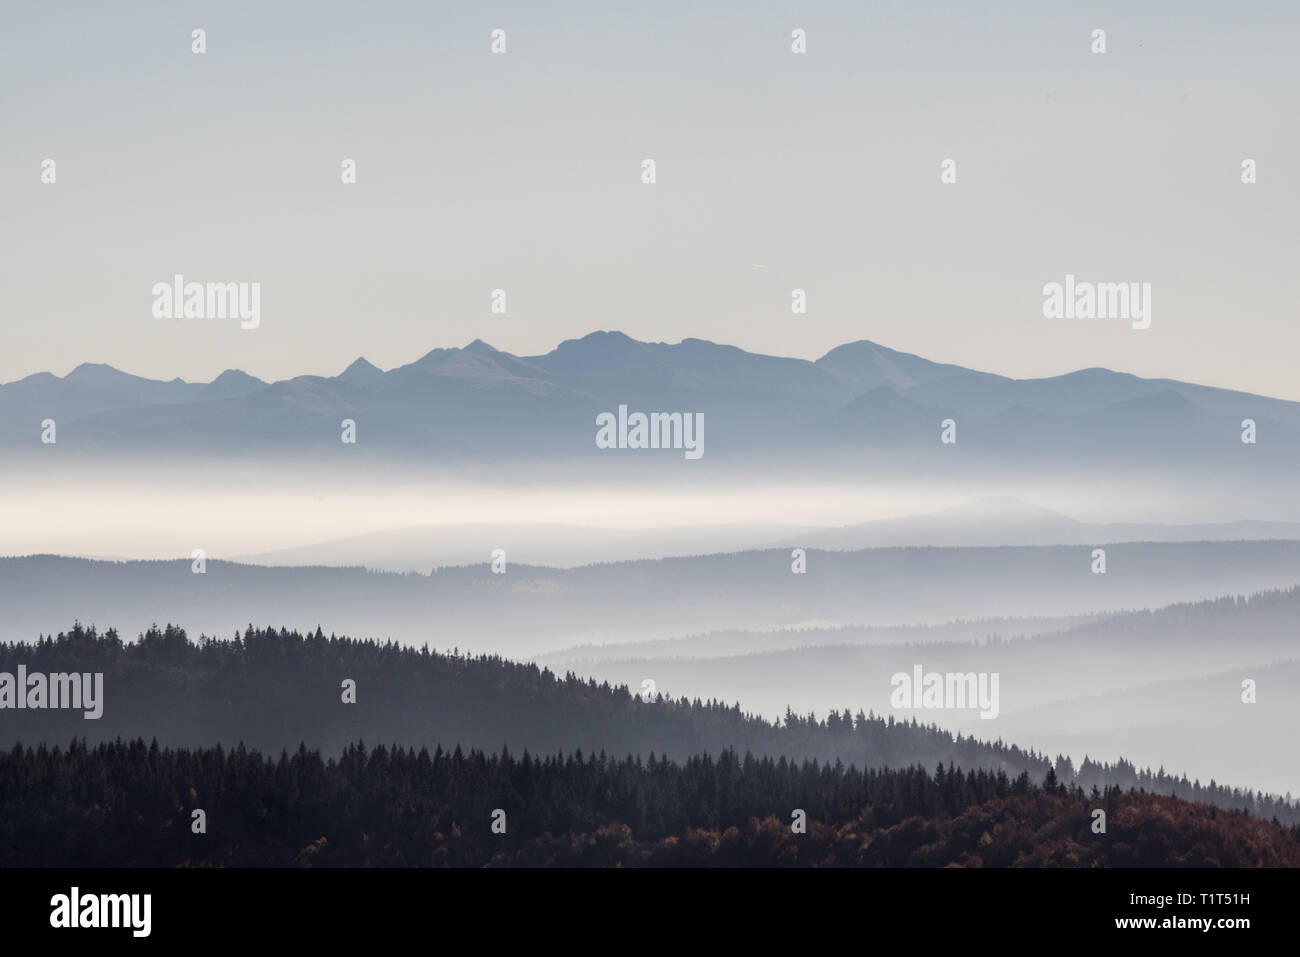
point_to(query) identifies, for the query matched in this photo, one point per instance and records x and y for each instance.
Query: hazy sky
(478, 171)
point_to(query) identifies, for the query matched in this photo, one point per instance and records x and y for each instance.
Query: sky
(775, 171)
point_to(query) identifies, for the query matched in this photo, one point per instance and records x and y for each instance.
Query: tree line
(128, 803)
(273, 689)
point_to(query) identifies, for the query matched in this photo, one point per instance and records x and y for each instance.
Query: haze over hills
(1157, 687)
(277, 690)
(530, 610)
(988, 522)
(861, 403)
(199, 457)
(1004, 521)
(423, 547)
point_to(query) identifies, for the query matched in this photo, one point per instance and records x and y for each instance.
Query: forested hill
(273, 690)
(132, 804)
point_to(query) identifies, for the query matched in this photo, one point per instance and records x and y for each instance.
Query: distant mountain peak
(432, 356)
(232, 384)
(235, 375)
(598, 350)
(874, 365)
(360, 367)
(1004, 509)
(94, 372)
(608, 334)
(602, 338)
(104, 376)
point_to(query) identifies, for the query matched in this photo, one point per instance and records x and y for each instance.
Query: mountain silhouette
(861, 403)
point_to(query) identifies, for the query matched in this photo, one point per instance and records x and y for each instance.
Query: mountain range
(859, 403)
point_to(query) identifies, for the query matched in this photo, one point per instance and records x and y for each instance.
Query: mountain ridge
(859, 401)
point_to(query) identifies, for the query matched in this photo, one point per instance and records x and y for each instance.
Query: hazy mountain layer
(1161, 688)
(861, 405)
(526, 610)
